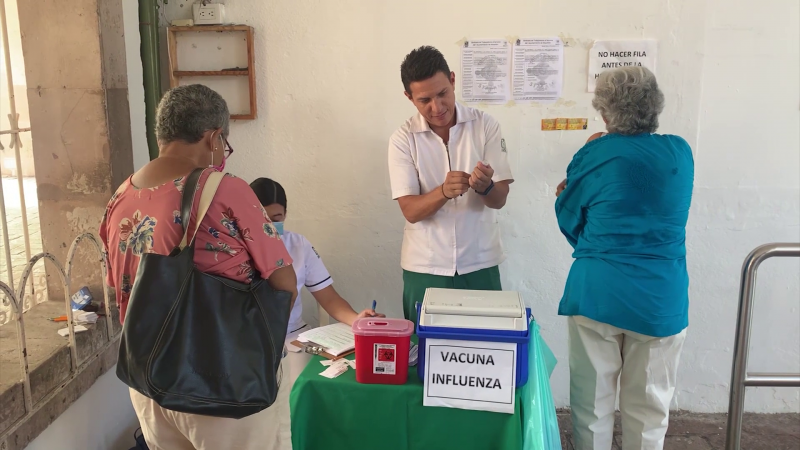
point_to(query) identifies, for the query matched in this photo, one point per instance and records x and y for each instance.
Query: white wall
(329, 96)
(747, 192)
(101, 419)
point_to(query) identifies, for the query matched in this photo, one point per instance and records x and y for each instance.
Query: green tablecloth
(340, 413)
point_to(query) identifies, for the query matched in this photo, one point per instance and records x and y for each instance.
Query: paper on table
(485, 70)
(330, 362)
(336, 338)
(538, 69)
(83, 317)
(334, 371)
(335, 368)
(64, 332)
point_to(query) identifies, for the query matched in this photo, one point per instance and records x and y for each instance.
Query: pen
(374, 304)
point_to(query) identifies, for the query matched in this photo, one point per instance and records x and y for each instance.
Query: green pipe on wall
(148, 30)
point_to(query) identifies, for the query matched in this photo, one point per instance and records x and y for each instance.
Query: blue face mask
(278, 226)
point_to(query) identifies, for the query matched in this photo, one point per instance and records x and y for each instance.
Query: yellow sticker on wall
(577, 124)
(564, 124)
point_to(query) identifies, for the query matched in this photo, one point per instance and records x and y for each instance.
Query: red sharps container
(382, 350)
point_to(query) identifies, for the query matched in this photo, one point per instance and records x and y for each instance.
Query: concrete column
(77, 89)
(78, 97)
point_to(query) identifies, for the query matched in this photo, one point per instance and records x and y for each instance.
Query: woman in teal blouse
(623, 208)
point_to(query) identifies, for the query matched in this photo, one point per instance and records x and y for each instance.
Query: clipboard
(306, 346)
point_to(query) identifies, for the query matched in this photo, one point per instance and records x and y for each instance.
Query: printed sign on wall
(485, 71)
(606, 55)
(470, 375)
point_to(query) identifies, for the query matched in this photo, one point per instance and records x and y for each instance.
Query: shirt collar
(463, 114)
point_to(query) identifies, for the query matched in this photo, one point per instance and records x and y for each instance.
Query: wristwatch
(488, 189)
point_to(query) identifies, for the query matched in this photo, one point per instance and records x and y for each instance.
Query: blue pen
(374, 304)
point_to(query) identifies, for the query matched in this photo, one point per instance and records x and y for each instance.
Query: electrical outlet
(208, 14)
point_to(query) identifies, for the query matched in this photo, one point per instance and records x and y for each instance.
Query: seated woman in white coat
(308, 266)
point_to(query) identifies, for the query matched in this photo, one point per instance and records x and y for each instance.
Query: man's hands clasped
(458, 183)
(481, 177)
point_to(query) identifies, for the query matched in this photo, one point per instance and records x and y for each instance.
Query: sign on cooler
(470, 375)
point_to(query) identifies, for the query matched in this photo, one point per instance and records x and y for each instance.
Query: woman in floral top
(236, 240)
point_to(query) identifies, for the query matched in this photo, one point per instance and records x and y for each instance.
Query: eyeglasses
(228, 149)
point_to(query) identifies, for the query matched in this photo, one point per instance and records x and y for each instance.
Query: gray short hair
(186, 112)
(629, 100)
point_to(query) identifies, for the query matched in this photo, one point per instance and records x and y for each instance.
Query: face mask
(278, 226)
(220, 167)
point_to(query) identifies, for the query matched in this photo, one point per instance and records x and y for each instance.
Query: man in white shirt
(449, 173)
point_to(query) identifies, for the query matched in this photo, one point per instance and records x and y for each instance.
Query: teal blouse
(624, 212)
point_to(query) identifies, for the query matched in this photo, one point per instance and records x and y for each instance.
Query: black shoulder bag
(198, 343)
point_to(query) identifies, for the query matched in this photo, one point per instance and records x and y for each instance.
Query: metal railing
(740, 378)
(15, 299)
(16, 145)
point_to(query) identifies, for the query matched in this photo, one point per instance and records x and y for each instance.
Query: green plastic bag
(540, 430)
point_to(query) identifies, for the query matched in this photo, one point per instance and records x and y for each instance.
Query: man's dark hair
(421, 64)
(269, 192)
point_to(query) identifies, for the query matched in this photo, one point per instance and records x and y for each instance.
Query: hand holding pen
(370, 312)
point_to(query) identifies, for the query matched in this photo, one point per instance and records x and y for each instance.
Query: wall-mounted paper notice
(606, 55)
(538, 69)
(485, 76)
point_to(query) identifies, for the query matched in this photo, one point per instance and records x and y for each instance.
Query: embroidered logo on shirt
(315, 252)
(503, 145)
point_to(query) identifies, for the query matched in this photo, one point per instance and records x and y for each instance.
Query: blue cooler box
(488, 316)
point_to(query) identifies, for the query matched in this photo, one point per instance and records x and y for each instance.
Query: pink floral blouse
(236, 238)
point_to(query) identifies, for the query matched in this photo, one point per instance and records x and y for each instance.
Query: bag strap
(190, 185)
(207, 196)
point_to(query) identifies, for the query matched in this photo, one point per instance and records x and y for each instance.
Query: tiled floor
(690, 431)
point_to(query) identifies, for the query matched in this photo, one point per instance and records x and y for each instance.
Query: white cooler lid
(456, 308)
